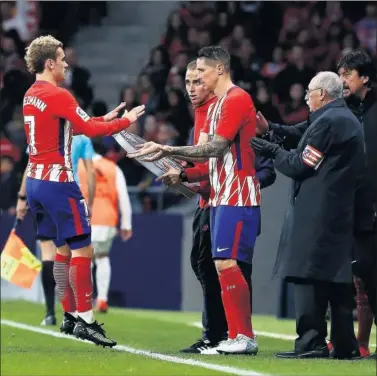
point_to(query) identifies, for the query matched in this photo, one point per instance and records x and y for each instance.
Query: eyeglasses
(308, 91)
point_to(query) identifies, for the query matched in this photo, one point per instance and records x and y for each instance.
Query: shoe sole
(237, 353)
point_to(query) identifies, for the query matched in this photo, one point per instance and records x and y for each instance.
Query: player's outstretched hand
(134, 114)
(263, 147)
(262, 124)
(114, 113)
(158, 151)
(171, 176)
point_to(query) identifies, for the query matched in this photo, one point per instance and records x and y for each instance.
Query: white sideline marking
(149, 354)
(285, 337)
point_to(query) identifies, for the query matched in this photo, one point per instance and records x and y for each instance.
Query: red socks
(61, 276)
(229, 310)
(236, 301)
(81, 282)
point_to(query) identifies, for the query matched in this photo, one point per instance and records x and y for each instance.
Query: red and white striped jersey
(233, 179)
(51, 117)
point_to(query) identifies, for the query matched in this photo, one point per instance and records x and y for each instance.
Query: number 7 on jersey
(30, 122)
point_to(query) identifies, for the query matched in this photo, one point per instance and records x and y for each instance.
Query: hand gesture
(171, 176)
(262, 124)
(114, 113)
(264, 148)
(151, 147)
(134, 114)
(125, 234)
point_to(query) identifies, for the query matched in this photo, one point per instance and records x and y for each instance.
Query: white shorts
(102, 238)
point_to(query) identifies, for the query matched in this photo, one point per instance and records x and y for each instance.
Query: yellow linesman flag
(18, 264)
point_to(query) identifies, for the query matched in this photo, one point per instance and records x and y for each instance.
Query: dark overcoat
(326, 168)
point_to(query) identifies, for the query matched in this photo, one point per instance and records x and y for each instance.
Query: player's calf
(236, 298)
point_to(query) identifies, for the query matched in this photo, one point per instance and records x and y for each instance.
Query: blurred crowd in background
(275, 47)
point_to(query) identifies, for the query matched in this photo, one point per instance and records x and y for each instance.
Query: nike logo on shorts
(221, 249)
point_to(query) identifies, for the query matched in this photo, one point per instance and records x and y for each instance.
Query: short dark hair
(216, 53)
(361, 62)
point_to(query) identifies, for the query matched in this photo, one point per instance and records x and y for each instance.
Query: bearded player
(235, 192)
(52, 116)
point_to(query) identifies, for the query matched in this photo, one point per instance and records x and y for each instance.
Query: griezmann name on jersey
(232, 176)
(52, 116)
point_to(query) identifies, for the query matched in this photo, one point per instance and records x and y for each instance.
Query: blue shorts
(60, 212)
(234, 231)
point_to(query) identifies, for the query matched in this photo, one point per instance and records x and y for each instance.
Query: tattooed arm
(214, 148)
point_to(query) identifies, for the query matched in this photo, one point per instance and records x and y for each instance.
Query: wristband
(183, 176)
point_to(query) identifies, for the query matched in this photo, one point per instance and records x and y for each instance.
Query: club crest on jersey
(84, 116)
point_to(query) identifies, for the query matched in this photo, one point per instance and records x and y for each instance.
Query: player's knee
(222, 264)
(48, 249)
(63, 249)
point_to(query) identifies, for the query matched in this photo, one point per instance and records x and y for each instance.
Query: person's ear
(365, 79)
(322, 95)
(220, 69)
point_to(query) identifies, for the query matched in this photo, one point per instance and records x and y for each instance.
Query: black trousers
(214, 323)
(365, 266)
(311, 302)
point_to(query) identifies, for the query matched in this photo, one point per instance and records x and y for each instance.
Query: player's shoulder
(237, 97)
(63, 92)
(235, 93)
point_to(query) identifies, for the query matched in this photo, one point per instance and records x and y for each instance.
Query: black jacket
(366, 196)
(326, 169)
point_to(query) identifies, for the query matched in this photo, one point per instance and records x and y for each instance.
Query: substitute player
(213, 318)
(111, 194)
(235, 192)
(54, 198)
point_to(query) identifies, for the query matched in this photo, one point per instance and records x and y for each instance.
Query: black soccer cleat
(68, 324)
(49, 320)
(198, 347)
(93, 333)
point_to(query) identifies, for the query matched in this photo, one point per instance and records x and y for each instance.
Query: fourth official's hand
(264, 148)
